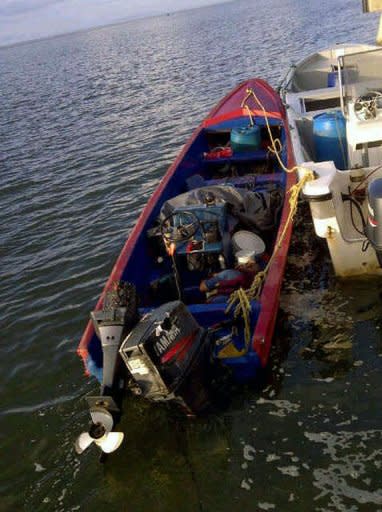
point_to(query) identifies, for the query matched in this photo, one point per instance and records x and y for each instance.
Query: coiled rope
(240, 299)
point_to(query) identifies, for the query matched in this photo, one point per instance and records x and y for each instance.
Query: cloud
(22, 20)
(15, 7)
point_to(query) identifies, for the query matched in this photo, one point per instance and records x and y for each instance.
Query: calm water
(88, 125)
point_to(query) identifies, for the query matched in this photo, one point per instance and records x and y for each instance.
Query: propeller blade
(82, 442)
(110, 441)
(102, 416)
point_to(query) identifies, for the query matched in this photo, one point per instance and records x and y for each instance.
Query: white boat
(334, 107)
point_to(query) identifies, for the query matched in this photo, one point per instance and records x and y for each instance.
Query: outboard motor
(167, 355)
(374, 223)
(118, 316)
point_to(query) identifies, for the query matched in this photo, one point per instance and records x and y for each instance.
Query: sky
(24, 20)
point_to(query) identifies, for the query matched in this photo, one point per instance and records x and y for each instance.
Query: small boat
(195, 291)
(334, 107)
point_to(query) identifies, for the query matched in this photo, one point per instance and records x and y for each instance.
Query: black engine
(167, 356)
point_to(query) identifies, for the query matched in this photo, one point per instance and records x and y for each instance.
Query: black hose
(358, 206)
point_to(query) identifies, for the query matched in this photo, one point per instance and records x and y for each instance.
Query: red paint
(372, 222)
(270, 296)
(179, 350)
(234, 114)
(221, 153)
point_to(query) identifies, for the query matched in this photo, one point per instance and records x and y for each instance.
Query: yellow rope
(276, 146)
(240, 299)
(249, 115)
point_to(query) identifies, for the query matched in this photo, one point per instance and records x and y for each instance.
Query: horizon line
(112, 24)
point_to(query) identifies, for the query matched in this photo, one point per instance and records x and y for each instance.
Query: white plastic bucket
(249, 242)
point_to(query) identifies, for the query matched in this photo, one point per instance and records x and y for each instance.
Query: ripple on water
(88, 125)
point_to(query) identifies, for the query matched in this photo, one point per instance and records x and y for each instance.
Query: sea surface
(89, 123)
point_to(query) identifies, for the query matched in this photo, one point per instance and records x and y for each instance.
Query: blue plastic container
(332, 78)
(245, 139)
(329, 138)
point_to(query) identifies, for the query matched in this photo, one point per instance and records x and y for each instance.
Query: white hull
(313, 87)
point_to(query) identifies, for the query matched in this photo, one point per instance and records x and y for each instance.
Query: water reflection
(89, 124)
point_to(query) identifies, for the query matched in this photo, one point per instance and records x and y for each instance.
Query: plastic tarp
(257, 210)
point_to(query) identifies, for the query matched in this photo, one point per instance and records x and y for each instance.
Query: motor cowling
(167, 356)
(374, 222)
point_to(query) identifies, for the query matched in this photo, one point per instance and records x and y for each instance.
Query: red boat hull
(228, 108)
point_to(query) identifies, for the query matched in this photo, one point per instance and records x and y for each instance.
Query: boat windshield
(361, 75)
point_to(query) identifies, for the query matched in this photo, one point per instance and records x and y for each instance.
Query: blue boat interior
(163, 268)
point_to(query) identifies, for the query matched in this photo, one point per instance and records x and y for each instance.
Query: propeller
(100, 432)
